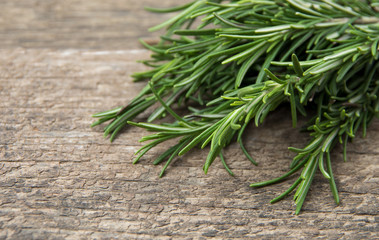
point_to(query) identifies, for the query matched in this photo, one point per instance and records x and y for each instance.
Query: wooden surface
(59, 179)
(94, 24)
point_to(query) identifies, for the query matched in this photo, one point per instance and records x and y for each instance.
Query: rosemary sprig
(245, 59)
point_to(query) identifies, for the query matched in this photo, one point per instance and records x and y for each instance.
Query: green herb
(243, 60)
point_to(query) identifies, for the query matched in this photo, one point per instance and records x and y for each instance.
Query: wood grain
(59, 179)
(60, 62)
(95, 24)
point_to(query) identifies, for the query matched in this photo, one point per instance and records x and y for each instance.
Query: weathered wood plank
(59, 179)
(95, 24)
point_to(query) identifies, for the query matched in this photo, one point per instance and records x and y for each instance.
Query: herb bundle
(247, 57)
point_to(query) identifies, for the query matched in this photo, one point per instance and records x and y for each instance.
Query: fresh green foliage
(243, 60)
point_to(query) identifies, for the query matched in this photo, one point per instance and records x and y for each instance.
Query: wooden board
(60, 179)
(95, 24)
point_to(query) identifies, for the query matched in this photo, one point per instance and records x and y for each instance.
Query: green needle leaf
(321, 166)
(187, 10)
(225, 165)
(296, 66)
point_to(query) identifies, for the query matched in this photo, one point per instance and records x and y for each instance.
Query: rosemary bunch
(245, 59)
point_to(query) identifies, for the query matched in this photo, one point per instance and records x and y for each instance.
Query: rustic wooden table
(61, 61)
